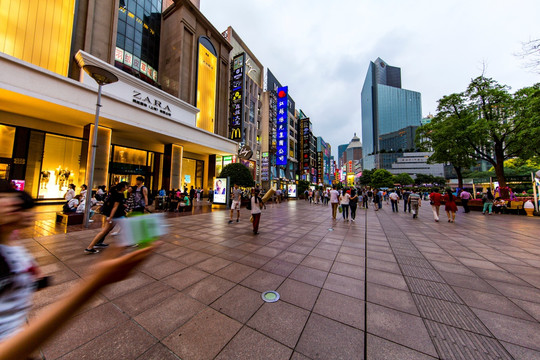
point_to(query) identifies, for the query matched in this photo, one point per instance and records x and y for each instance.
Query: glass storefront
(127, 164)
(7, 140)
(192, 173)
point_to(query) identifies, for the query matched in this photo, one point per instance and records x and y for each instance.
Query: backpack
(107, 206)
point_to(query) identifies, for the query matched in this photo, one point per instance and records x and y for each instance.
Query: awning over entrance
(49, 101)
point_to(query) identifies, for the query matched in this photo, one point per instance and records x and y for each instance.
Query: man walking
(192, 193)
(406, 202)
(465, 197)
(415, 202)
(141, 196)
(334, 201)
(394, 198)
(236, 201)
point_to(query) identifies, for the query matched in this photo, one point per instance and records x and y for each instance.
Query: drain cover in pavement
(330, 229)
(270, 296)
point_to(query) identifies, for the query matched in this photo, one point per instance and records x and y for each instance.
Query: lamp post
(102, 77)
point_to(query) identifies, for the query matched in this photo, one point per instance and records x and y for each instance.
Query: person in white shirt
(70, 193)
(344, 200)
(256, 205)
(394, 198)
(334, 201)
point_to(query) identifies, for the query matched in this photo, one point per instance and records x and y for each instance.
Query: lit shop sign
(282, 125)
(127, 58)
(151, 103)
(306, 145)
(265, 162)
(237, 97)
(320, 163)
(206, 85)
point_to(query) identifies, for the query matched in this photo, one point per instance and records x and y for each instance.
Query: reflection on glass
(7, 138)
(129, 156)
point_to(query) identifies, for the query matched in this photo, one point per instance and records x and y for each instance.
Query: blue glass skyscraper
(386, 108)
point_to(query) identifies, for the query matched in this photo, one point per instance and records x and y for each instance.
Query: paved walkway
(469, 290)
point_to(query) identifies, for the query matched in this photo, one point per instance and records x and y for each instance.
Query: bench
(515, 207)
(70, 218)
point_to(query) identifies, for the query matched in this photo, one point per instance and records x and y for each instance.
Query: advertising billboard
(206, 85)
(282, 125)
(220, 191)
(265, 165)
(237, 97)
(292, 190)
(305, 125)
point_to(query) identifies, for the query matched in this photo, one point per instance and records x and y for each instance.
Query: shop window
(126, 155)
(192, 173)
(60, 166)
(7, 139)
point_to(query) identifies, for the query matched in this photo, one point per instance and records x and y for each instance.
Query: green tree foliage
(238, 174)
(403, 179)
(382, 178)
(303, 185)
(365, 179)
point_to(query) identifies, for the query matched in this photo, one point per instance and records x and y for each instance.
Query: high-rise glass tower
(386, 108)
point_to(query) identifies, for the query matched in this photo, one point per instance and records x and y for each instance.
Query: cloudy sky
(322, 49)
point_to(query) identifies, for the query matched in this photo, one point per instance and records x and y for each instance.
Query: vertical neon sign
(282, 125)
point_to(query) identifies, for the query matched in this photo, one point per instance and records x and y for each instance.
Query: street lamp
(102, 77)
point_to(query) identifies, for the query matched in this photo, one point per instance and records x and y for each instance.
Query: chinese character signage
(282, 125)
(265, 167)
(237, 95)
(305, 125)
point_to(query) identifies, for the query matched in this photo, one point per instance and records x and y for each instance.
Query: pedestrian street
(421, 289)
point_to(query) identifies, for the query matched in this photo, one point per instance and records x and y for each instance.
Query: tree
(424, 179)
(403, 179)
(365, 179)
(444, 135)
(531, 52)
(238, 174)
(303, 185)
(382, 178)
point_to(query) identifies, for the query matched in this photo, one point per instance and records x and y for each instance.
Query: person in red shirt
(435, 201)
(450, 205)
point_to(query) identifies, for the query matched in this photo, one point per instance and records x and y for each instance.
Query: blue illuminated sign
(282, 126)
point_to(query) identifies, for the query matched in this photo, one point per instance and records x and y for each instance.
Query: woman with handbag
(450, 205)
(256, 206)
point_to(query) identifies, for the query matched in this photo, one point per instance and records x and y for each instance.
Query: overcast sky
(322, 49)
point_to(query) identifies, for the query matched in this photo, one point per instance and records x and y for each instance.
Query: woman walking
(344, 201)
(114, 209)
(353, 202)
(450, 205)
(435, 201)
(488, 202)
(256, 205)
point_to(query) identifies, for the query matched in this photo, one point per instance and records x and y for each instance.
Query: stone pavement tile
(280, 321)
(203, 336)
(248, 247)
(214, 249)
(352, 251)
(532, 279)
(481, 264)
(392, 298)
(185, 278)
(279, 267)
(532, 308)
(521, 353)
(521, 269)
(58, 272)
(350, 259)
(492, 302)
(235, 272)
(308, 275)
(158, 352)
(174, 252)
(231, 243)
(279, 244)
(345, 285)
(298, 356)
(381, 349)
(328, 247)
(118, 289)
(342, 308)
(441, 257)
(268, 251)
(354, 271)
(291, 257)
(399, 327)
(165, 317)
(510, 329)
(326, 339)
(198, 245)
(82, 329)
(159, 266)
(317, 263)
(233, 254)
(194, 258)
(452, 268)
(385, 278)
(498, 275)
(249, 344)
(528, 293)
(381, 256)
(209, 289)
(263, 281)
(254, 260)
(127, 341)
(301, 249)
(213, 264)
(240, 303)
(468, 282)
(387, 266)
(325, 254)
(298, 293)
(135, 302)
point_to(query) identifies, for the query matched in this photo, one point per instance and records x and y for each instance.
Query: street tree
(403, 179)
(444, 135)
(382, 178)
(365, 179)
(238, 174)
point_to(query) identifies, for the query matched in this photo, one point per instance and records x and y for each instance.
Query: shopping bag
(340, 209)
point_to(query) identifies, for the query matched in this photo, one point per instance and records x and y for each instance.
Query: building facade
(324, 158)
(166, 118)
(386, 108)
(415, 163)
